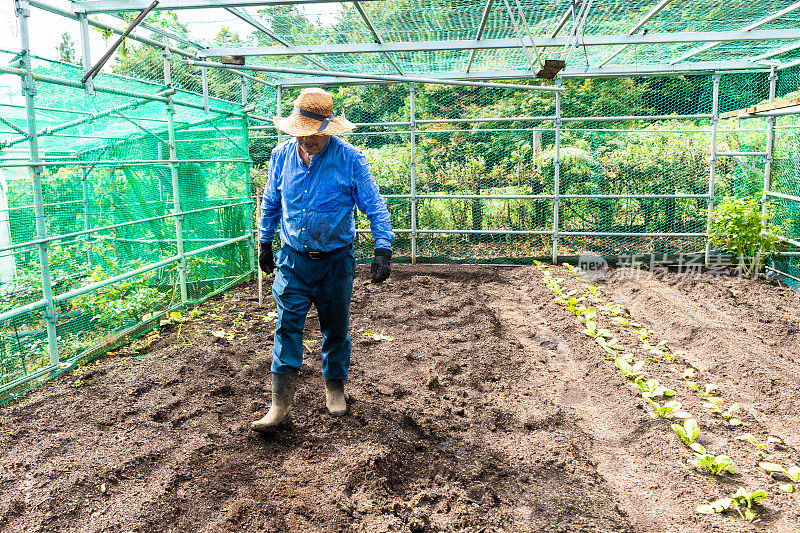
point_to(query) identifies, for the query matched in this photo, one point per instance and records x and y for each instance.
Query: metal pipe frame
(33, 306)
(22, 12)
(94, 116)
(712, 164)
(412, 88)
(611, 71)
(504, 43)
(636, 27)
(401, 79)
(176, 193)
(479, 34)
(782, 196)
(242, 15)
(75, 16)
(375, 33)
(90, 231)
(766, 20)
(556, 175)
(109, 6)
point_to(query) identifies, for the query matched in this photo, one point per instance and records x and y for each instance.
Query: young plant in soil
(793, 473)
(688, 432)
(715, 464)
(742, 502)
(629, 370)
(650, 388)
(714, 404)
(671, 409)
(762, 446)
(625, 323)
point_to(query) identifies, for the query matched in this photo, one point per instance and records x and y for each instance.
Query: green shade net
(99, 169)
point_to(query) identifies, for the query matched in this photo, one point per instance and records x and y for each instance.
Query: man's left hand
(381, 265)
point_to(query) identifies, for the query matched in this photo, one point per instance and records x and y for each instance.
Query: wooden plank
(760, 108)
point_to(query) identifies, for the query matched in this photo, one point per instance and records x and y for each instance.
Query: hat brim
(300, 126)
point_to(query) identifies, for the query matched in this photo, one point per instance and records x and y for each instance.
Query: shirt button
(302, 229)
(304, 210)
(306, 190)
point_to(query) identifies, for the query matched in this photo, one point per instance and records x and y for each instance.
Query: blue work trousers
(328, 284)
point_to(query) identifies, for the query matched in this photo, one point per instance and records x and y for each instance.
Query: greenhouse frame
(128, 200)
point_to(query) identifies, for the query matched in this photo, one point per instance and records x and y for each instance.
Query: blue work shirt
(314, 204)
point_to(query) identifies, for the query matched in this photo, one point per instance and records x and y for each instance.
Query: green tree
(66, 48)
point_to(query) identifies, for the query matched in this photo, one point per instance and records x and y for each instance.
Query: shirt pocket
(332, 197)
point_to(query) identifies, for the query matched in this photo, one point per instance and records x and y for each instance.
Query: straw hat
(313, 114)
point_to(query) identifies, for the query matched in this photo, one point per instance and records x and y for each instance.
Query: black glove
(381, 266)
(265, 259)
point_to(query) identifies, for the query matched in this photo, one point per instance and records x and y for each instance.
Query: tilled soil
(488, 411)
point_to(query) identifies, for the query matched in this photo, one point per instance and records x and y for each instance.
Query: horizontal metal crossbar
(112, 6)
(693, 68)
(492, 44)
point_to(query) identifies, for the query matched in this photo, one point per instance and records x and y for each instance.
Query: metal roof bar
(260, 27)
(636, 27)
(489, 44)
(161, 31)
(701, 49)
(375, 33)
(115, 6)
(777, 52)
(698, 68)
(519, 34)
(479, 34)
(58, 11)
(379, 77)
(564, 18)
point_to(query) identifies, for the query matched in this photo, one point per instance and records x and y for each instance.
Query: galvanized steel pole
(557, 174)
(86, 212)
(22, 10)
(412, 95)
(173, 165)
(713, 164)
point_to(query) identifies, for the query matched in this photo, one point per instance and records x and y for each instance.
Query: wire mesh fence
(138, 204)
(621, 167)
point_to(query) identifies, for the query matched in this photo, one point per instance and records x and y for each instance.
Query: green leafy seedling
(742, 502)
(650, 388)
(628, 368)
(625, 323)
(714, 404)
(688, 374)
(379, 337)
(688, 432)
(671, 409)
(611, 346)
(793, 472)
(172, 318)
(715, 464)
(612, 309)
(710, 388)
(762, 446)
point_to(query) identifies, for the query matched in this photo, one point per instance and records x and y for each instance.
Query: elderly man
(314, 181)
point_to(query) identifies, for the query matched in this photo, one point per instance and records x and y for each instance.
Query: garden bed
(489, 410)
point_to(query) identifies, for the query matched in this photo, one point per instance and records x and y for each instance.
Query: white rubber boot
(280, 412)
(334, 397)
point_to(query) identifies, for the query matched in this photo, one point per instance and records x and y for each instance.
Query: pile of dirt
(487, 411)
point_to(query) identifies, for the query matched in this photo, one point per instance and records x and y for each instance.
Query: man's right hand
(265, 259)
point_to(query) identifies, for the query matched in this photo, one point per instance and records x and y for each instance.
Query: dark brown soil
(488, 411)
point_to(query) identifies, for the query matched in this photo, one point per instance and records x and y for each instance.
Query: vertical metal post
(412, 96)
(251, 242)
(204, 77)
(765, 199)
(86, 213)
(712, 174)
(278, 110)
(243, 84)
(557, 175)
(86, 56)
(22, 10)
(173, 165)
(773, 84)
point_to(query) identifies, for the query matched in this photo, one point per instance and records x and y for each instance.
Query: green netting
(106, 167)
(449, 20)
